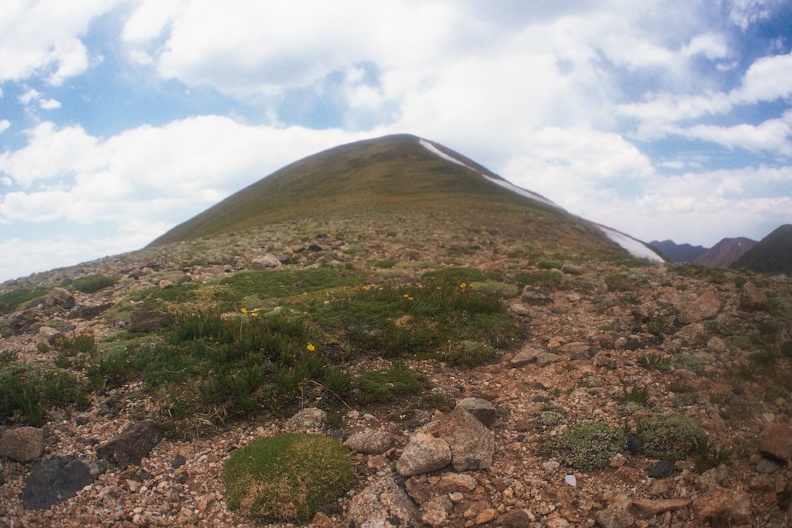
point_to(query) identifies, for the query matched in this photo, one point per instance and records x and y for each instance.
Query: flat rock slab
(54, 480)
(132, 445)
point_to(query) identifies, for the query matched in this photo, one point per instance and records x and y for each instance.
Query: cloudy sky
(122, 118)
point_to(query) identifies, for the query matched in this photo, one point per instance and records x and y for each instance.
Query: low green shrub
(636, 394)
(590, 445)
(93, 283)
(670, 437)
(385, 384)
(469, 353)
(28, 392)
(288, 478)
(13, 299)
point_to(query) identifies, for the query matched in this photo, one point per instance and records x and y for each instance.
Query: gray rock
(370, 442)
(132, 445)
(424, 453)
(60, 297)
(307, 420)
(765, 466)
(483, 410)
(532, 297)
(661, 469)
(54, 480)
(22, 444)
(383, 504)
(472, 444)
(267, 261)
(49, 335)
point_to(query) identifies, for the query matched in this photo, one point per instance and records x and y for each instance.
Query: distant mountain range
(773, 254)
(678, 252)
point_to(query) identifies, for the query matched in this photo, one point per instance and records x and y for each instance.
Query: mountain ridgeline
(400, 175)
(773, 254)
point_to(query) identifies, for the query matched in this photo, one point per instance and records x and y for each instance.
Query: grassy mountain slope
(773, 254)
(384, 176)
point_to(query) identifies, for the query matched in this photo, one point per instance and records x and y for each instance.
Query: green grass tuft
(670, 437)
(288, 478)
(590, 445)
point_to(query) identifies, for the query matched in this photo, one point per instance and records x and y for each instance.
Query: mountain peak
(395, 174)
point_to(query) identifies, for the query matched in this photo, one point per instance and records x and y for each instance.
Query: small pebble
(571, 480)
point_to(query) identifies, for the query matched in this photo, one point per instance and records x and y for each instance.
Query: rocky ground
(611, 330)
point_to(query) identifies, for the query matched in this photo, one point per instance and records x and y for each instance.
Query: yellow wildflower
(244, 310)
(310, 347)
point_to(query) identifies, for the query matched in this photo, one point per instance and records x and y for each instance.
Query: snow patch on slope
(634, 247)
(503, 183)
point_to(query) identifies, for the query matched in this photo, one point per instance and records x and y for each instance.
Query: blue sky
(122, 118)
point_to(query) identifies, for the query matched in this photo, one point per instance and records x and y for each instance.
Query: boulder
(309, 419)
(49, 335)
(706, 305)
(132, 445)
(22, 444)
(424, 453)
(60, 297)
(752, 298)
(370, 442)
(483, 410)
(383, 504)
(724, 507)
(267, 261)
(775, 441)
(472, 444)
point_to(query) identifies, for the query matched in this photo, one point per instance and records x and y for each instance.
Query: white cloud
(773, 135)
(170, 172)
(4, 125)
(41, 38)
(767, 79)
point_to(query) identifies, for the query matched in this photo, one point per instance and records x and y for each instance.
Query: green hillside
(384, 176)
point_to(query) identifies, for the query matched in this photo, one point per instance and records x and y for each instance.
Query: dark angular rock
(661, 469)
(132, 445)
(54, 480)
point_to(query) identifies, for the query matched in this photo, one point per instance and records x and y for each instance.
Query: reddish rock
(651, 508)
(752, 298)
(706, 305)
(776, 441)
(22, 444)
(722, 507)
